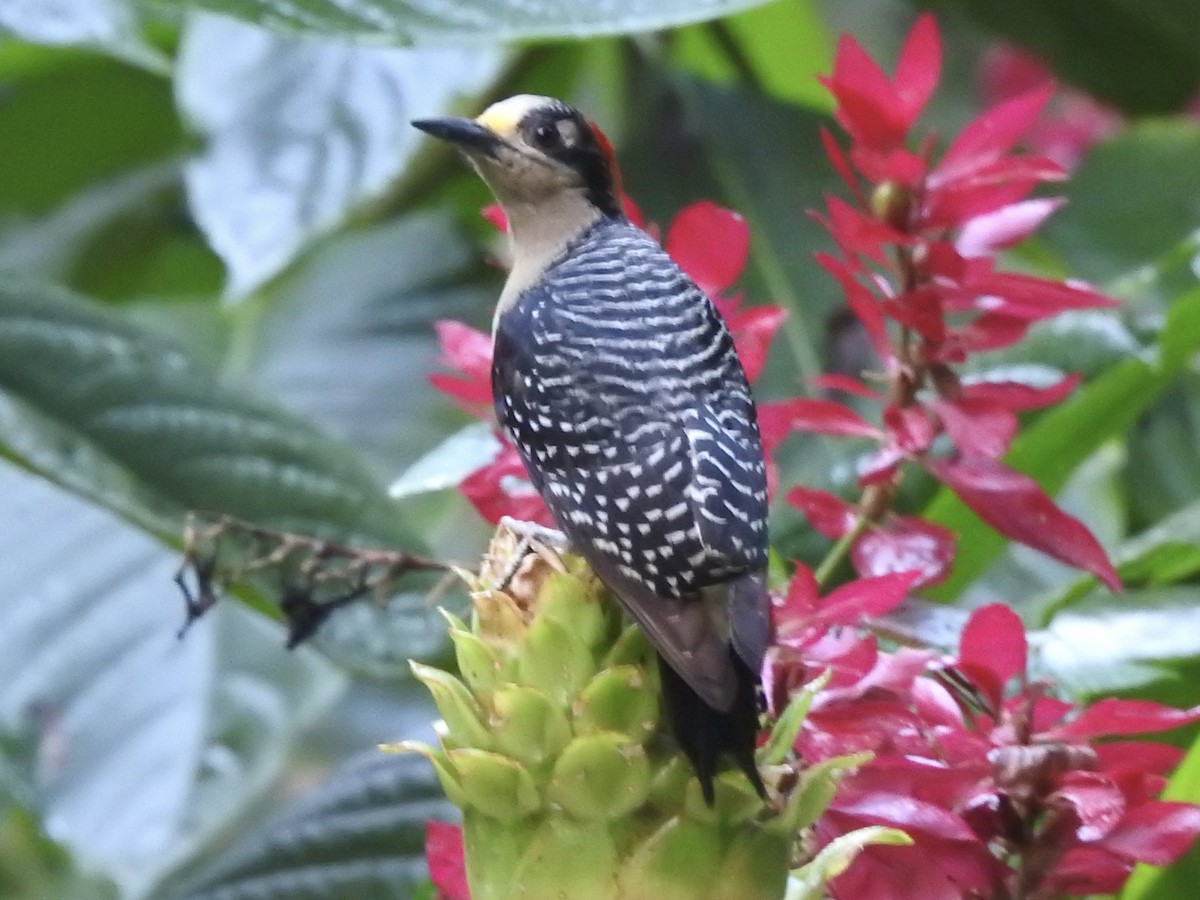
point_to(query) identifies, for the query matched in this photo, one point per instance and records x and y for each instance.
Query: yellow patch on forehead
(502, 118)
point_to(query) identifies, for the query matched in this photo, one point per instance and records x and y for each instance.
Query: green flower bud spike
(553, 745)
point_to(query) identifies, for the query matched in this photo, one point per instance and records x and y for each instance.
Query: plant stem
(840, 550)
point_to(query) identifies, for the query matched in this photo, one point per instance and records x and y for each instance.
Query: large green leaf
(1063, 437)
(300, 132)
(135, 746)
(1133, 197)
(184, 439)
(360, 834)
(81, 122)
(1094, 44)
(477, 21)
(1131, 642)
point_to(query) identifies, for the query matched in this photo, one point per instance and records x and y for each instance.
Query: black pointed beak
(464, 133)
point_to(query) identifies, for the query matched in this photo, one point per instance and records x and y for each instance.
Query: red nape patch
(610, 156)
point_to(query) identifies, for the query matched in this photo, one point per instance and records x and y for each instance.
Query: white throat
(540, 231)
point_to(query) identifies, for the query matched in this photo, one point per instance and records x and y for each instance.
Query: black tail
(704, 733)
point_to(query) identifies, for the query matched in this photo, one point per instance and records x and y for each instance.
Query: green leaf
(1106, 644)
(401, 22)
(299, 133)
(187, 440)
(116, 724)
(360, 366)
(781, 48)
(1130, 199)
(1063, 437)
(123, 117)
(33, 867)
(1090, 43)
(361, 833)
(110, 25)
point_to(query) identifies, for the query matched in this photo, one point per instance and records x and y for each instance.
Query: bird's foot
(548, 543)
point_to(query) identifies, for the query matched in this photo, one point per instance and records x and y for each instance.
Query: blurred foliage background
(222, 249)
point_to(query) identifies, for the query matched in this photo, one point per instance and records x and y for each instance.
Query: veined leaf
(301, 132)
(360, 834)
(185, 439)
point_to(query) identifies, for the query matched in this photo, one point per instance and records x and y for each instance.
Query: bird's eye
(547, 136)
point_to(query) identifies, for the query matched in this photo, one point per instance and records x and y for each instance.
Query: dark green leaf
(477, 21)
(360, 834)
(77, 124)
(188, 440)
(1165, 553)
(1133, 197)
(1108, 644)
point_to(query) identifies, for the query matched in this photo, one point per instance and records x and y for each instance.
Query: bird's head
(531, 149)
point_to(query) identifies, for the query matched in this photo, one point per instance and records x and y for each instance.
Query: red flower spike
(1088, 870)
(1112, 716)
(977, 427)
(1141, 756)
(1014, 505)
(863, 304)
(841, 164)
(495, 215)
(1094, 800)
(710, 243)
(875, 111)
(1157, 832)
(444, 856)
(845, 384)
(910, 428)
(919, 66)
(866, 598)
(470, 352)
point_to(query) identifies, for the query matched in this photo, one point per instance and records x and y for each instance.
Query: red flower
(916, 263)
(993, 779)
(444, 856)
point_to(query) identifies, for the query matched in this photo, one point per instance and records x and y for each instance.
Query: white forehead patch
(503, 117)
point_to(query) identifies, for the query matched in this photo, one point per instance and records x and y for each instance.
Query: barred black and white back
(620, 385)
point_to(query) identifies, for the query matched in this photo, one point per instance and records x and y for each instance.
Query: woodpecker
(618, 382)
